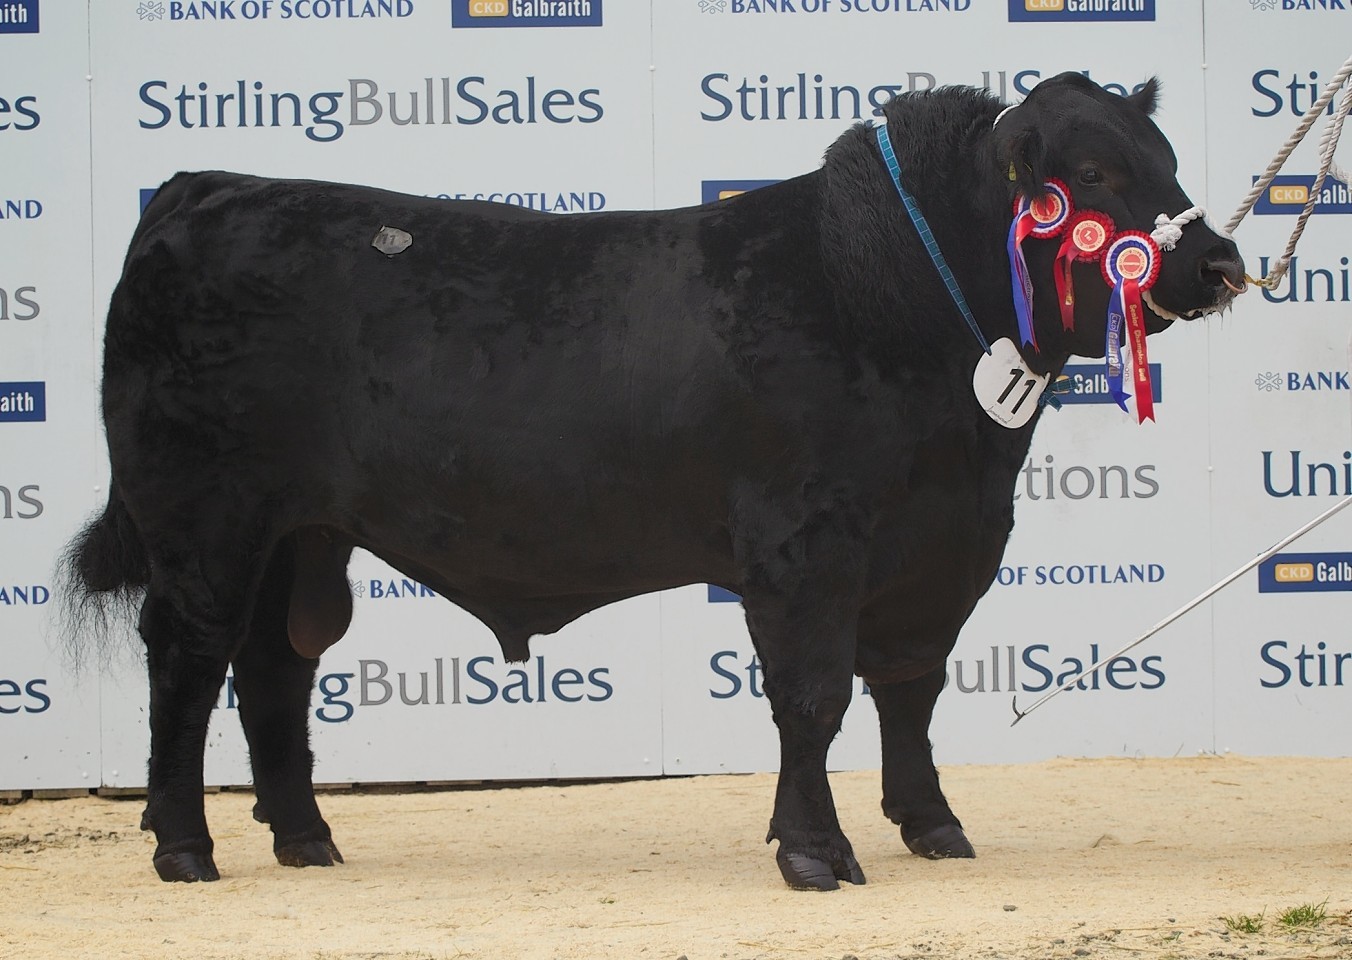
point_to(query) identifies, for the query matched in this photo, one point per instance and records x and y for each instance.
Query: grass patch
(1306, 915)
(1244, 922)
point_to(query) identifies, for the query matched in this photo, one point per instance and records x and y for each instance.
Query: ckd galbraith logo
(1077, 11)
(23, 401)
(1087, 383)
(1306, 573)
(1290, 194)
(832, 6)
(526, 13)
(231, 11)
(712, 190)
(19, 16)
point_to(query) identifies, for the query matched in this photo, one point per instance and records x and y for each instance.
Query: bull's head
(1114, 159)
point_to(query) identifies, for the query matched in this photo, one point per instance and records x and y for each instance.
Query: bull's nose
(1223, 268)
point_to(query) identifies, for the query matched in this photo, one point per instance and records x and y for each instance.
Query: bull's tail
(102, 577)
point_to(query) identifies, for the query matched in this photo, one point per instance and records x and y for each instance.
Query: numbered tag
(1004, 386)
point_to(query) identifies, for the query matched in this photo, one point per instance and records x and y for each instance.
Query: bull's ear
(1148, 97)
(1026, 155)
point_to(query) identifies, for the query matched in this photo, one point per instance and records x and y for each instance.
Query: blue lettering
(712, 95)
(521, 683)
(1032, 664)
(33, 692)
(462, 88)
(566, 676)
(735, 682)
(1284, 670)
(333, 686)
(165, 113)
(480, 678)
(1153, 669)
(1276, 98)
(606, 689)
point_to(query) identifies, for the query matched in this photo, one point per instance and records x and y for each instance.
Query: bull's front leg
(806, 646)
(911, 795)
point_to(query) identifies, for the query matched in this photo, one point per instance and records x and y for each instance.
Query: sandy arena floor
(1076, 858)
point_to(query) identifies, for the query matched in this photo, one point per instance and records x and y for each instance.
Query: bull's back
(507, 372)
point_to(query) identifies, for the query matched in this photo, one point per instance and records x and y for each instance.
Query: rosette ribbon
(1131, 265)
(1042, 218)
(1087, 237)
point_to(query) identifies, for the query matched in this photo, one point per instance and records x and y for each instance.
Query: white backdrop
(622, 105)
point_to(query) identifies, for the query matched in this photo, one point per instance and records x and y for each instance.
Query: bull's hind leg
(273, 683)
(911, 795)
(806, 647)
(187, 650)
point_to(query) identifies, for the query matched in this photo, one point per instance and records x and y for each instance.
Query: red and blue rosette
(1043, 219)
(1130, 265)
(1087, 237)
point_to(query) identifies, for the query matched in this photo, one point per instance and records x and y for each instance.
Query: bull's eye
(1090, 176)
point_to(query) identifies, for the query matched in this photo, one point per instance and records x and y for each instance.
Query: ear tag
(1130, 265)
(1086, 238)
(1043, 219)
(1004, 386)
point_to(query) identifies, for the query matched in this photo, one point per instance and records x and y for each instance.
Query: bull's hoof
(308, 853)
(946, 841)
(260, 813)
(802, 872)
(186, 867)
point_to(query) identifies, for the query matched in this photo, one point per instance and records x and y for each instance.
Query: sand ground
(1076, 858)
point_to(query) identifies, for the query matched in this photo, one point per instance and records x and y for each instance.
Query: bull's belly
(547, 545)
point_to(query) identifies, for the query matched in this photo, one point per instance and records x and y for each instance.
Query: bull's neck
(948, 159)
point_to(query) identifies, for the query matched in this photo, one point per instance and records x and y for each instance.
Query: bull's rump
(516, 395)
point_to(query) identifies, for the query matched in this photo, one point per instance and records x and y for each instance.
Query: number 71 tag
(1004, 386)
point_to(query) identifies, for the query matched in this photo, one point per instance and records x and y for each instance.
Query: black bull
(539, 415)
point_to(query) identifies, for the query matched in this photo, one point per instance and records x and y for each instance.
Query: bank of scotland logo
(1268, 382)
(150, 11)
(1263, 4)
(713, 6)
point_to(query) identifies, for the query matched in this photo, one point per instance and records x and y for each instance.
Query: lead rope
(1328, 143)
